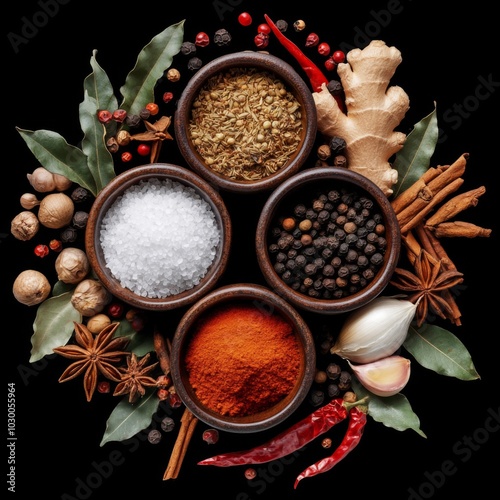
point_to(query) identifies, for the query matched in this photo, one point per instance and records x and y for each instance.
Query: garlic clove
(384, 377)
(375, 331)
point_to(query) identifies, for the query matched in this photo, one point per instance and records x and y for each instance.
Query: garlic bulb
(384, 377)
(375, 331)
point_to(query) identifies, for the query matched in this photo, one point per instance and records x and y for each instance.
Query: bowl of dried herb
(246, 121)
(328, 240)
(158, 237)
(242, 358)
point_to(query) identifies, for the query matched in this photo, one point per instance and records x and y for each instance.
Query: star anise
(135, 378)
(156, 133)
(93, 355)
(427, 285)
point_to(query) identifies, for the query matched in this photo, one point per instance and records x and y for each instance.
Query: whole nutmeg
(31, 287)
(90, 297)
(24, 225)
(56, 210)
(62, 182)
(42, 180)
(72, 265)
(96, 323)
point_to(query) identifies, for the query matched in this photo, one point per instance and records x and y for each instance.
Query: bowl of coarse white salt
(158, 237)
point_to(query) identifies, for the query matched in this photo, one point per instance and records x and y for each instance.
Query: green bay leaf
(393, 411)
(53, 326)
(99, 159)
(414, 158)
(59, 157)
(127, 419)
(151, 63)
(98, 86)
(439, 350)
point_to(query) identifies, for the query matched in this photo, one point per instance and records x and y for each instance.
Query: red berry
(338, 56)
(250, 473)
(261, 40)
(211, 436)
(174, 400)
(104, 116)
(324, 49)
(330, 64)
(245, 19)
(167, 97)
(119, 115)
(202, 39)
(115, 310)
(126, 156)
(264, 28)
(55, 245)
(103, 387)
(312, 40)
(144, 149)
(41, 251)
(153, 108)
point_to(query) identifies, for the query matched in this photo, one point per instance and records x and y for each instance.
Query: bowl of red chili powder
(242, 359)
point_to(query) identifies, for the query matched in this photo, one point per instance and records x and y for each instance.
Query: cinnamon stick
(188, 424)
(415, 213)
(459, 229)
(456, 205)
(162, 351)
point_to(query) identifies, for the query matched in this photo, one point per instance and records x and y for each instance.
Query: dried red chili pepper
(357, 423)
(290, 440)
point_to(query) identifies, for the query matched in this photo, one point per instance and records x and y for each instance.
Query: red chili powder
(241, 361)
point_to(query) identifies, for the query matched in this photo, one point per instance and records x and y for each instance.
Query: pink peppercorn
(338, 56)
(323, 49)
(245, 19)
(202, 39)
(261, 40)
(41, 251)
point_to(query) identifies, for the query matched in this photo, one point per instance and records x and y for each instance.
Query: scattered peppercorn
(245, 19)
(167, 424)
(323, 49)
(264, 28)
(154, 436)
(337, 145)
(261, 40)
(80, 219)
(167, 97)
(334, 87)
(188, 48)
(326, 443)
(119, 115)
(330, 64)
(115, 310)
(338, 56)
(173, 75)
(55, 245)
(202, 39)
(41, 251)
(282, 25)
(143, 149)
(222, 37)
(317, 397)
(299, 25)
(103, 387)
(153, 108)
(104, 116)
(312, 40)
(126, 156)
(69, 235)
(133, 120)
(250, 473)
(144, 113)
(194, 64)
(211, 436)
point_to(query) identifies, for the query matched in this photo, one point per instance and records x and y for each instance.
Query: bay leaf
(152, 61)
(98, 86)
(61, 287)
(413, 159)
(441, 351)
(127, 419)
(140, 343)
(53, 325)
(59, 157)
(99, 159)
(393, 411)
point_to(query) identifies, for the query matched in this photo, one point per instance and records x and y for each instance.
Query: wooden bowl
(113, 191)
(262, 62)
(261, 301)
(303, 188)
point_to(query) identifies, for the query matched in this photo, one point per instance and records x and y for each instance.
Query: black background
(448, 59)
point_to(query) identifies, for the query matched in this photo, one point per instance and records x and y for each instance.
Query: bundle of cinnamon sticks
(425, 216)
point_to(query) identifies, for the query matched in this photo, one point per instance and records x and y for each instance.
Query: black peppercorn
(222, 37)
(167, 424)
(79, 195)
(133, 120)
(69, 235)
(300, 210)
(337, 145)
(188, 48)
(317, 397)
(194, 63)
(80, 219)
(334, 87)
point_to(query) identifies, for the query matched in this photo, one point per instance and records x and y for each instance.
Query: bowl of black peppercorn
(328, 240)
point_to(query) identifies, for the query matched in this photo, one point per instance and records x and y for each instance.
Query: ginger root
(373, 108)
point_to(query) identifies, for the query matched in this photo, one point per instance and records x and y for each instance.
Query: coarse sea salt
(159, 238)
